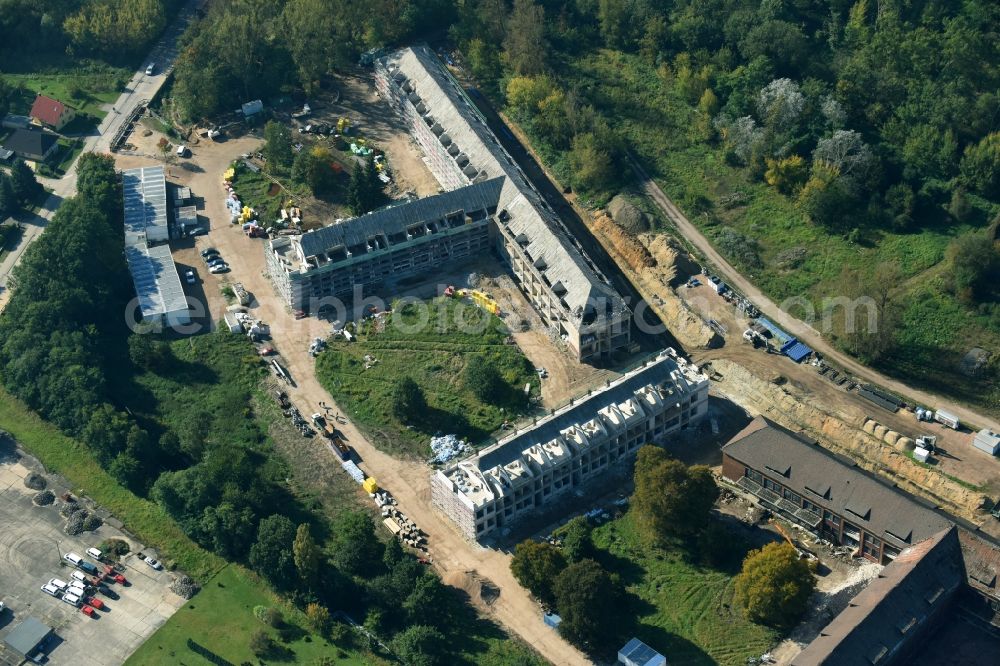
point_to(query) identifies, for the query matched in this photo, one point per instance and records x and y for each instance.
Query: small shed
(25, 638)
(987, 440)
(232, 323)
(252, 108)
(637, 653)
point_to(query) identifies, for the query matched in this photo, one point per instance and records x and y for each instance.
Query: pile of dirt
(624, 244)
(627, 215)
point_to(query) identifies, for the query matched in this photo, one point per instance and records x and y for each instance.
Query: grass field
(434, 355)
(681, 609)
(797, 258)
(147, 520)
(219, 620)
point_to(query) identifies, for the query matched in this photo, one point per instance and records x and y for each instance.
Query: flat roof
(25, 637)
(157, 283)
(145, 193)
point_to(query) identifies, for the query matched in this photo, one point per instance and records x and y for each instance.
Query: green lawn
(147, 520)
(220, 620)
(681, 609)
(434, 355)
(86, 88)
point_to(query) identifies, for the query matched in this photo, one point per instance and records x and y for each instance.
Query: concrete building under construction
(487, 203)
(571, 448)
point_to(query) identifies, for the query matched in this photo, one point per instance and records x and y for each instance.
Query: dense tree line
(287, 43)
(111, 29)
(858, 108)
(18, 189)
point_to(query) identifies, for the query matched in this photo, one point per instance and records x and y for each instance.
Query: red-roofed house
(51, 112)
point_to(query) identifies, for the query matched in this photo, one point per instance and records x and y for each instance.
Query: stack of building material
(353, 470)
(447, 447)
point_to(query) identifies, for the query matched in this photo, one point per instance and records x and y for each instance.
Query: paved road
(139, 89)
(796, 327)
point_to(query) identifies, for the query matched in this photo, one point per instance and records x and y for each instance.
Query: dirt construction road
(456, 559)
(796, 327)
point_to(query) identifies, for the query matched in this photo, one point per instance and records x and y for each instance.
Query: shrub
(35, 481)
(261, 643)
(44, 498)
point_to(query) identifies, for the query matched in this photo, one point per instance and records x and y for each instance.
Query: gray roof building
(886, 619)
(145, 193)
(157, 284)
(32, 144)
(396, 225)
(834, 482)
(25, 637)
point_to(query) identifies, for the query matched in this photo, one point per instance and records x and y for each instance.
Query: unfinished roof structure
(572, 447)
(475, 154)
(488, 203)
(885, 619)
(145, 192)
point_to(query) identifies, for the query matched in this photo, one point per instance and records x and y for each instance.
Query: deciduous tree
(589, 603)
(306, 554)
(536, 565)
(271, 555)
(774, 585)
(670, 498)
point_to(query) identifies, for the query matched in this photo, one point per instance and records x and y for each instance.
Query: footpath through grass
(431, 342)
(219, 621)
(680, 608)
(147, 520)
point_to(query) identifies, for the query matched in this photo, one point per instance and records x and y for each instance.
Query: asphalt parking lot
(32, 543)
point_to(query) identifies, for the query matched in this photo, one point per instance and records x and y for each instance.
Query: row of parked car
(85, 582)
(214, 261)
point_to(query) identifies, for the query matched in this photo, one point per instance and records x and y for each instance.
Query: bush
(273, 617)
(91, 522)
(261, 643)
(740, 248)
(115, 547)
(44, 498)
(35, 481)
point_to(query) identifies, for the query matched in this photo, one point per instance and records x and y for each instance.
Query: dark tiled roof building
(798, 479)
(886, 620)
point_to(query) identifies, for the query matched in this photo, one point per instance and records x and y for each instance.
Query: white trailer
(948, 419)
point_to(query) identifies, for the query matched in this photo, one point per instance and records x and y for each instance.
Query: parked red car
(88, 611)
(94, 601)
(111, 574)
